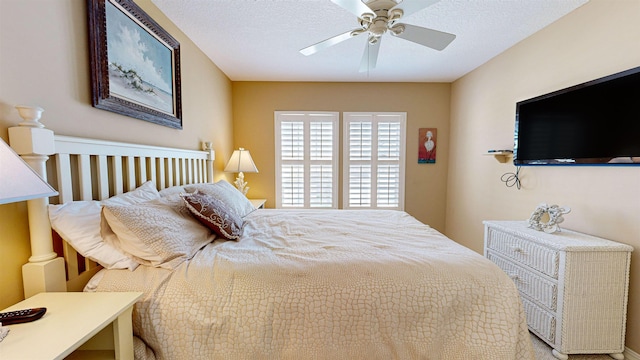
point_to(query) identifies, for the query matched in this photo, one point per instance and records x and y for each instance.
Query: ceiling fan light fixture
(379, 27)
(357, 32)
(397, 29)
(367, 17)
(395, 14)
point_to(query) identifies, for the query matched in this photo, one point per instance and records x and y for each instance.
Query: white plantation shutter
(307, 159)
(374, 159)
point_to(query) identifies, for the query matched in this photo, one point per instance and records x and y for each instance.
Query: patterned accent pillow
(226, 193)
(214, 214)
(159, 233)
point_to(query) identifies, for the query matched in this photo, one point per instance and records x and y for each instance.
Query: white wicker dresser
(573, 286)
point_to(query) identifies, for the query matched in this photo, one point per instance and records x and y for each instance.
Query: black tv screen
(595, 123)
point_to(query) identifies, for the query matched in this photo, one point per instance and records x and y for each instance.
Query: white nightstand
(73, 319)
(258, 203)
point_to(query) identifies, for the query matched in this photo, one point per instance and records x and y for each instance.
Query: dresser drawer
(525, 252)
(543, 291)
(540, 322)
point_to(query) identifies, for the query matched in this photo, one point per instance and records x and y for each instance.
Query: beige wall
(44, 61)
(597, 39)
(427, 105)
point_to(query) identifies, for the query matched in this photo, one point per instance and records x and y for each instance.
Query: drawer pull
(516, 278)
(518, 250)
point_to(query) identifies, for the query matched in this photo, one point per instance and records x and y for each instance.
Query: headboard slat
(162, 181)
(84, 172)
(183, 169)
(65, 187)
(103, 177)
(188, 171)
(152, 171)
(170, 173)
(116, 169)
(71, 260)
(141, 169)
(131, 174)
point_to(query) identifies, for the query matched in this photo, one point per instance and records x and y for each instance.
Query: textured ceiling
(259, 40)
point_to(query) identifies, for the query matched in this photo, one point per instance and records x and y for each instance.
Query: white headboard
(90, 169)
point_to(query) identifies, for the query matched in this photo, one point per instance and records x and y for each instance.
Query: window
(307, 159)
(374, 157)
(307, 150)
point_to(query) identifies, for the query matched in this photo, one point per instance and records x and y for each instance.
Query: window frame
(307, 117)
(376, 118)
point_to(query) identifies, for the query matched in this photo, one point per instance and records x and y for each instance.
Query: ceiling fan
(378, 17)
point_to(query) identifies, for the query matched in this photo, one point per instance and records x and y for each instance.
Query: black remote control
(21, 316)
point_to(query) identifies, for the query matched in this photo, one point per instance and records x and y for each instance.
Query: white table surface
(71, 319)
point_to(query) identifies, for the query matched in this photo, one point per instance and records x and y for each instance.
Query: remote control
(21, 316)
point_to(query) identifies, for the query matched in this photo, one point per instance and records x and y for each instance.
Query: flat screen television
(594, 123)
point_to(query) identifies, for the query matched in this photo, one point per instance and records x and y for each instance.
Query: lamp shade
(241, 161)
(18, 181)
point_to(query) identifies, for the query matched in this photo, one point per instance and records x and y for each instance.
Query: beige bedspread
(329, 285)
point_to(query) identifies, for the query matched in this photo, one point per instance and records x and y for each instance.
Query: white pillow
(78, 223)
(160, 232)
(226, 193)
(178, 189)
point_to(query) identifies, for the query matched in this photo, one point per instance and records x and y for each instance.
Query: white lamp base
(241, 184)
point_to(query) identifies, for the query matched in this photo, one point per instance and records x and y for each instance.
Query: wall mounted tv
(595, 123)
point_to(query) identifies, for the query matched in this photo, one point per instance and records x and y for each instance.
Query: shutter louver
(388, 179)
(292, 185)
(360, 186)
(388, 187)
(321, 186)
(292, 136)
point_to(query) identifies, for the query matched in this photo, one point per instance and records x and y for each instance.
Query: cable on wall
(511, 179)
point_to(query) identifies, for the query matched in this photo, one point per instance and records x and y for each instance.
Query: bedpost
(208, 146)
(45, 271)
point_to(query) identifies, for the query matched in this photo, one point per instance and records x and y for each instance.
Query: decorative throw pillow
(226, 193)
(78, 223)
(159, 232)
(214, 214)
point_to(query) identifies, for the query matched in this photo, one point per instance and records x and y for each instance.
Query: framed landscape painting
(135, 64)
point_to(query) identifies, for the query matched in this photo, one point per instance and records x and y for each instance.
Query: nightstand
(258, 203)
(72, 320)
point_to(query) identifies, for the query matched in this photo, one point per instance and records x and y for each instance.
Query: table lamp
(18, 181)
(241, 162)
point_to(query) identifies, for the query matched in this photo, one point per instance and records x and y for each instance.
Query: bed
(224, 280)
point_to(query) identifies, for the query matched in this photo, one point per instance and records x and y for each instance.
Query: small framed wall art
(427, 144)
(135, 63)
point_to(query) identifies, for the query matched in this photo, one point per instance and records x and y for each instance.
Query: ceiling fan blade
(434, 39)
(356, 7)
(310, 50)
(370, 56)
(410, 6)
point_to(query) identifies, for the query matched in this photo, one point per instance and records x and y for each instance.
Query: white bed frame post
(208, 147)
(34, 143)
